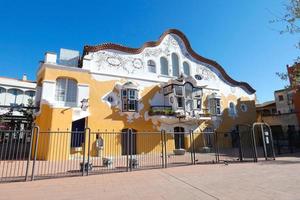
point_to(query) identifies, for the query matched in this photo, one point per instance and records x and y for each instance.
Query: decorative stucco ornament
(114, 61)
(137, 63)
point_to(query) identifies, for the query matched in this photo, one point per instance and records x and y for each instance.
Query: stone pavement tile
(264, 180)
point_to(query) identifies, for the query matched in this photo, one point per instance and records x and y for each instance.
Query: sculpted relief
(131, 64)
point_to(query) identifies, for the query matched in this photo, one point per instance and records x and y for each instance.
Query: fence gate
(263, 138)
(236, 146)
(204, 146)
(15, 151)
(178, 147)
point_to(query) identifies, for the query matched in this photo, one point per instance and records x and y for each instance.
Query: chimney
(50, 57)
(24, 77)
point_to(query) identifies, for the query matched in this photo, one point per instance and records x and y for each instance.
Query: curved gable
(110, 46)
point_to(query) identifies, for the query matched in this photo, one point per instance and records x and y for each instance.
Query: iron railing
(34, 154)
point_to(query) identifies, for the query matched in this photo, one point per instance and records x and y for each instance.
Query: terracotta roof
(213, 63)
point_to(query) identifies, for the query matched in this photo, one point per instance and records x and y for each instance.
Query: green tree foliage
(291, 21)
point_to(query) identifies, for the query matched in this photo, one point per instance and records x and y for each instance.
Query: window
(2, 95)
(14, 96)
(164, 68)
(197, 104)
(66, 91)
(151, 66)
(280, 97)
(110, 99)
(178, 90)
(178, 93)
(215, 106)
(188, 91)
(31, 94)
(231, 111)
(129, 100)
(2, 90)
(175, 65)
(179, 102)
(244, 107)
(186, 69)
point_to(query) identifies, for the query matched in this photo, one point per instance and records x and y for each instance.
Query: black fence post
(127, 150)
(165, 146)
(194, 151)
(192, 160)
(29, 154)
(83, 151)
(217, 147)
(131, 148)
(253, 144)
(88, 153)
(162, 149)
(35, 151)
(240, 143)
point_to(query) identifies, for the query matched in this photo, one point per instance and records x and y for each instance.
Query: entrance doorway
(179, 137)
(128, 141)
(77, 136)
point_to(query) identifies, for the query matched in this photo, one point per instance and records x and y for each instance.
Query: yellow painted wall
(56, 146)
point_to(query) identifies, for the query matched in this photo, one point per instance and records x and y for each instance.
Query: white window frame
(232, 110)
(215, 106)
(151, 66)
(130, 99)
(64, 101)
(188, 66)
(167, 66)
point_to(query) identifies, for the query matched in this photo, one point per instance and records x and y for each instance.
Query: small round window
(110, 99)
(244, 107)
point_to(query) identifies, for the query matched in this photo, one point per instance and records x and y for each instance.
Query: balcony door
(179, 137)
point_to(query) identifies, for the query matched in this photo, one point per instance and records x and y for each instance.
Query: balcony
(166, 114)
(162, 110)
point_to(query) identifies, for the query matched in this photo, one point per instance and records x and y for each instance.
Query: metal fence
(34, 154)
(15, 148)
(286, 139)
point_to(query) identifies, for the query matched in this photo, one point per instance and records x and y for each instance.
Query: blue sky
(237, 34)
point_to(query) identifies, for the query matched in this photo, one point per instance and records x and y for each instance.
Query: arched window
(14, 96)
(188, 90)
(164, 68)
(30, 94)
(175, 65)
(2, 95)
(151, 66)
(186, 69)
(232, 111)
(66, 91)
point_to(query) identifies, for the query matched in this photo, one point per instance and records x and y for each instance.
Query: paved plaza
(263, 180)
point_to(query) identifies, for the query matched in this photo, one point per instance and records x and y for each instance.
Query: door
(179, 137)
(128, 141)
(77, 136)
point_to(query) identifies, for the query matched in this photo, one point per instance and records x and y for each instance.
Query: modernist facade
(163, 85)
(15, 94)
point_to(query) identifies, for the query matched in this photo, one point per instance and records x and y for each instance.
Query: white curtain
(60, 91)
(175, 65)
(71, 91)
(164, 69)
(186, 69)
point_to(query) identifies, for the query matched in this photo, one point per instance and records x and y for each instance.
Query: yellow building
(164, 85)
